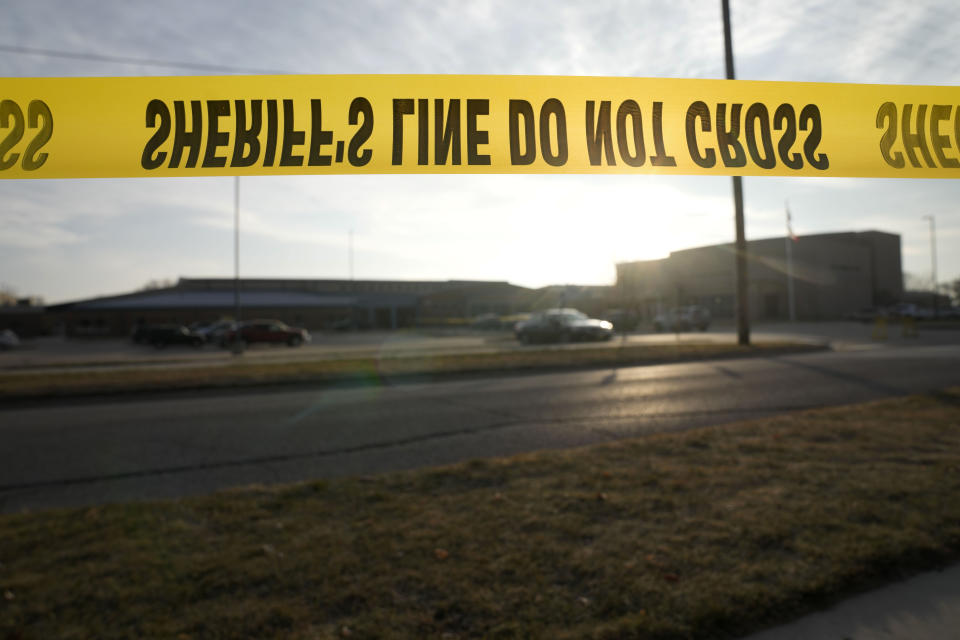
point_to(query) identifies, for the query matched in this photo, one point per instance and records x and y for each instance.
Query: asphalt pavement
(79, 452)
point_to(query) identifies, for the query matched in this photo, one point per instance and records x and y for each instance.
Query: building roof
(174, 298)
(349, 287)
(837, 236)
(218, 293)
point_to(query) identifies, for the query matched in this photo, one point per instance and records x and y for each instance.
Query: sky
(72, 239)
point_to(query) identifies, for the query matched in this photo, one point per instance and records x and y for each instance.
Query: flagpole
(789, 242)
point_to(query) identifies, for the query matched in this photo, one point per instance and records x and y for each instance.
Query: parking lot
(45, 354)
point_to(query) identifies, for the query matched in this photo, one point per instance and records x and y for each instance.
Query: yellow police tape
(273, 125)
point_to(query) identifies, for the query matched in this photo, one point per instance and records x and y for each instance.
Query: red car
(269, 331)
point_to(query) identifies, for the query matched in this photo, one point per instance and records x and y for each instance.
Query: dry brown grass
(706, 534)
(246, 373)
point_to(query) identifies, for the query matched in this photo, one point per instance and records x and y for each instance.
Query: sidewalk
(926, 607)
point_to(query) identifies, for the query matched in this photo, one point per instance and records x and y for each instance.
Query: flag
(790, 232)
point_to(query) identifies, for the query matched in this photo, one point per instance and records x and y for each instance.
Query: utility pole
(933, 263)
(743, 304)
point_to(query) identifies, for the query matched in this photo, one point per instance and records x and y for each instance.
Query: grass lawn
(710, 533)
(241, 372)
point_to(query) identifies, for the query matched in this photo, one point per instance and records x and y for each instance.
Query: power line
(96, 57)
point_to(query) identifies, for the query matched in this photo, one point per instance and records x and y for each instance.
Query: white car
(213, 333)
(8, 340)
(562, 325)
(683, 319)
(910, 310)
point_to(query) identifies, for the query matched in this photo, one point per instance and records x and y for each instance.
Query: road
(91, 451)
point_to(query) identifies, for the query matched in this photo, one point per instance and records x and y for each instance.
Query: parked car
(266, 331)
(213, 333)
(622, 320)
(140, 333)
(910, 310)
(343, 324)
(683, 319)
(562, 325)
(866, 314)
(163, 335)
(486, 322)
(8, 340)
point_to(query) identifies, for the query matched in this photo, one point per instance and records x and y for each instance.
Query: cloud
(531, 229)
(821, 40)
(26, 232)
(56, 212)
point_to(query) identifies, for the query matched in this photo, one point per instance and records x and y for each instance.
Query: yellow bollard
(908, 328)
(880, 329)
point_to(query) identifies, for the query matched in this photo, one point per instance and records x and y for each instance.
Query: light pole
(742, 285)
(933, 262)
(237, 342)
(236, 248)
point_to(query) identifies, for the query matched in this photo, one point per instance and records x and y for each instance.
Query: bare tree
(912, 282)
(162, 283)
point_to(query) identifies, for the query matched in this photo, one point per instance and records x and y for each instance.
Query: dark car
(267, 331)
(562, 325)
(162, 335)
(866, 314)
(486, 322)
